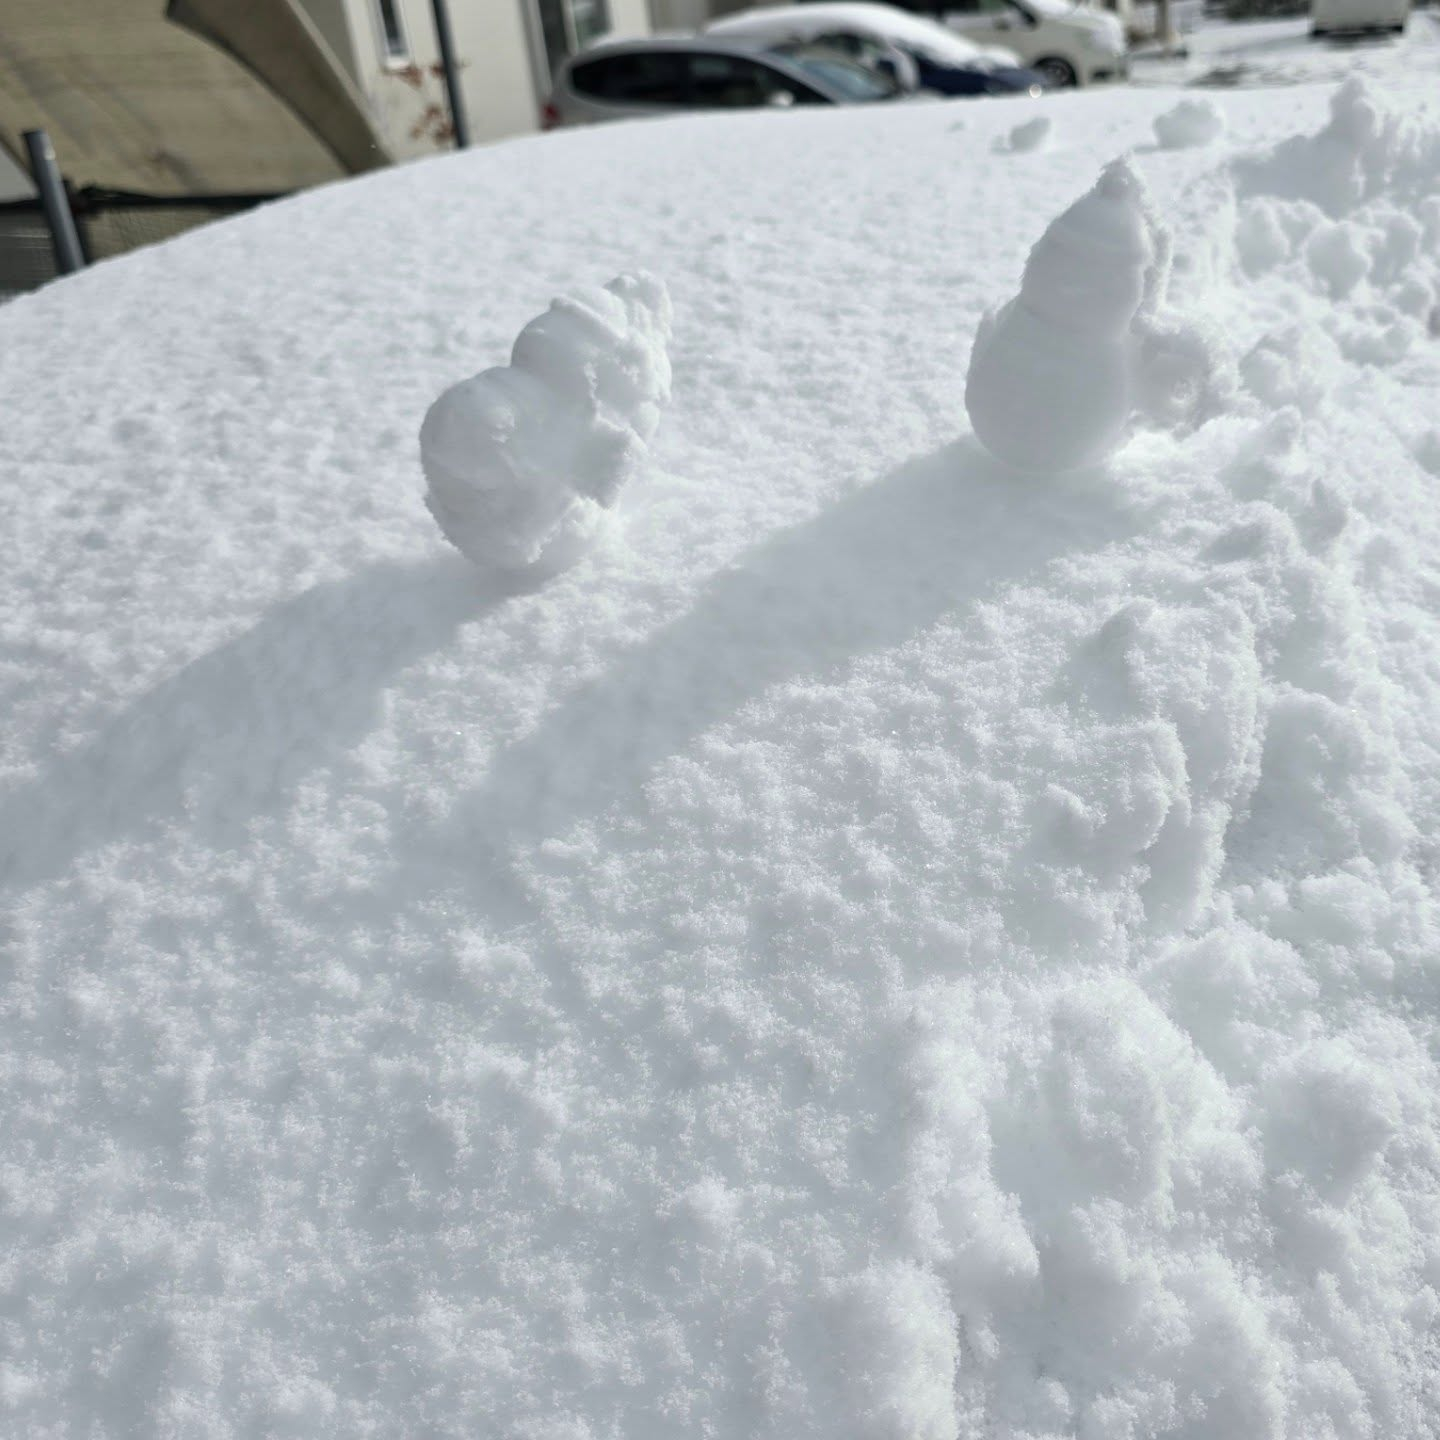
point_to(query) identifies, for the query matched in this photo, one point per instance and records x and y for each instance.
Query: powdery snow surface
(882, 946)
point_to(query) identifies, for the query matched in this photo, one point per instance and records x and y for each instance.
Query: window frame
(392, 59)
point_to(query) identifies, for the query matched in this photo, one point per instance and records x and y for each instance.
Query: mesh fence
(26, 259)
(109, 222)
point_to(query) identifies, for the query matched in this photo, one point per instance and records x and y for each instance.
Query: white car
(1330, 16)
(1067, 44)
(887, 37)
(675, 74)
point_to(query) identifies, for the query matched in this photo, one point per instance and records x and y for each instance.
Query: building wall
(695, 14)
(14, 182)
(630, 17)
(134, 102)
(504, 73)
(400, 92)
(500, 77)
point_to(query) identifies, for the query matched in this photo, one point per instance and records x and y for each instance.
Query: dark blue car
(948, 79)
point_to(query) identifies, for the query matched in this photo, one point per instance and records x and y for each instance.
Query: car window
(645, 78)
(846, 43)
(846, 79)
(723, 80)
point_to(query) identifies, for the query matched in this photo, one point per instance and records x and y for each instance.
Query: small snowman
(525, 463)
(1052, 374)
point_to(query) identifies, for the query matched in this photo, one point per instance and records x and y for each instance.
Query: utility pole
(452, 73)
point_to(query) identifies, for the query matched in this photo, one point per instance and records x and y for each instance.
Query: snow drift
(889, 948)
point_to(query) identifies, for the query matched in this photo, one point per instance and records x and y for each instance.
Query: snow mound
(1366, 150)
(1351, 214)
(894, 951)
(1050, 381)
(1032, 134)
(1190, 124)
(525, 462)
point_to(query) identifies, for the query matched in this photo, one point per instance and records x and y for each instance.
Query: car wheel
(1398, 29)
(1057, 74)
(1318, 34)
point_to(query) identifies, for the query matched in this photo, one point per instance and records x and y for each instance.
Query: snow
(526, 462)
(1191, 122)
(1052, 373)
(887, 22)
(1032, 134)
(1282, 52)
(882, 945)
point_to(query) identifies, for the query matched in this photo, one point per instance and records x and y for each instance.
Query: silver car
(671, 75)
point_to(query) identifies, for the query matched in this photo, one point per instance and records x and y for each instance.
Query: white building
(508, 51)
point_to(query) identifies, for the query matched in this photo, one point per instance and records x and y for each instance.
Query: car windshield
(851, 81)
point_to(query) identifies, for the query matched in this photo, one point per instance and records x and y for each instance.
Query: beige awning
(133, 101)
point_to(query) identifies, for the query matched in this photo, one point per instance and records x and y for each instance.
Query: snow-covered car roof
(805, 21)
(871, 941)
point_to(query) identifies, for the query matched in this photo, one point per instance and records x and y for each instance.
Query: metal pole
(46, 173)
(452, 73)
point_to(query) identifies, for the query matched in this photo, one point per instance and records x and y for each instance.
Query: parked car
(1328, 17)
(1068, 44)
(889, 39)
(666, 75)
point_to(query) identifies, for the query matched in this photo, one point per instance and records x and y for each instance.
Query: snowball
(526, 462)
(1189, 124)
(1028, 135)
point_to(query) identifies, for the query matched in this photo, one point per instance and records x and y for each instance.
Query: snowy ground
(1225, 54)
(881, 947)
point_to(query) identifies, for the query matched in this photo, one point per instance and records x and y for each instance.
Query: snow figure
(1027, 135)
(525, 462)
(1188, 125)
(1051, 373)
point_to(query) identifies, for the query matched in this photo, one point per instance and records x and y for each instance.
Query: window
(590, 19)
(725, 80)
(569, 25)
(851, 81)
(392, 32)
(653, 78)
(847, 44)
